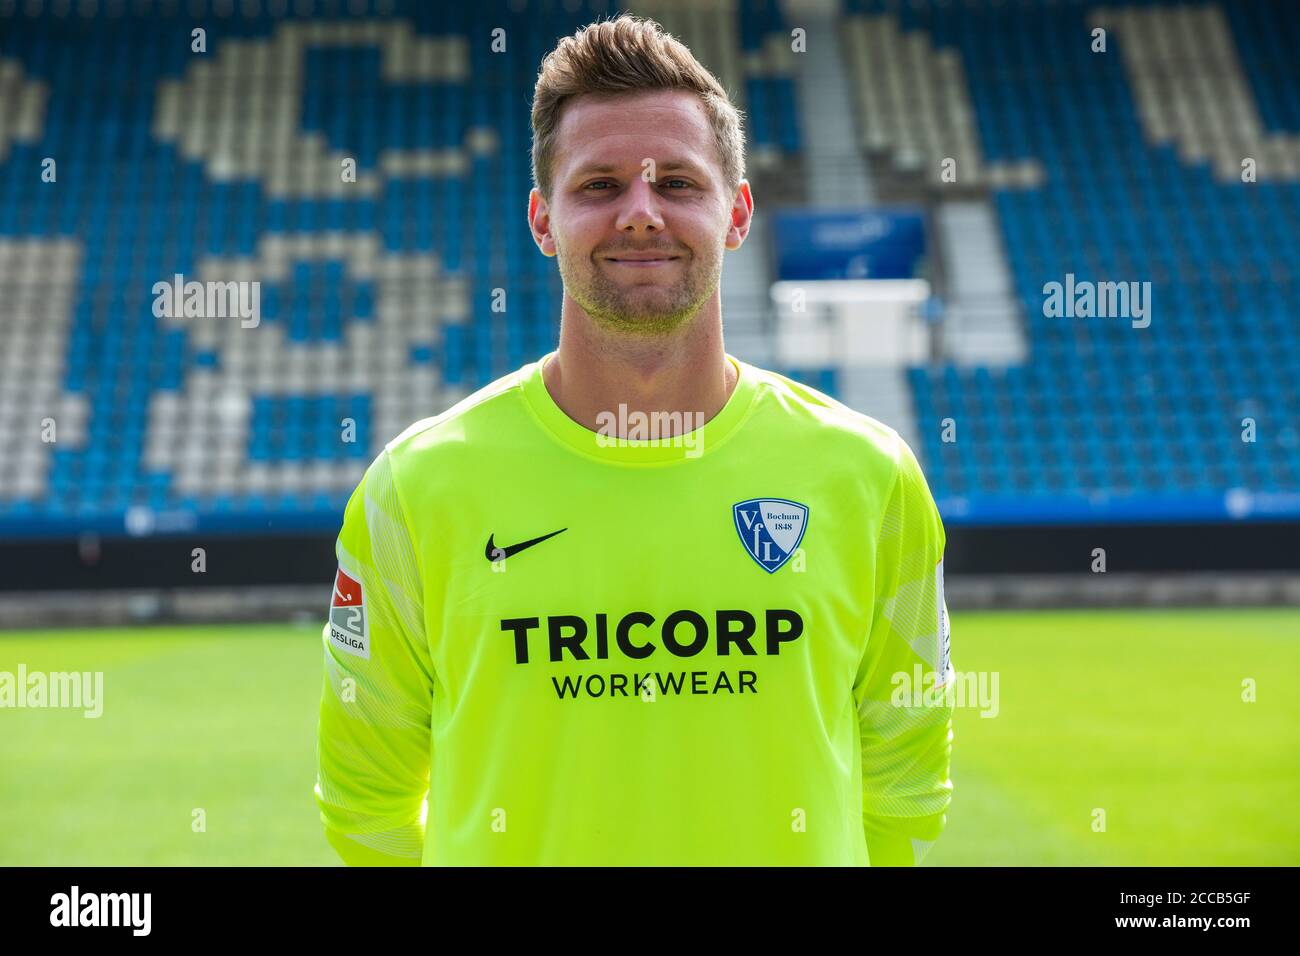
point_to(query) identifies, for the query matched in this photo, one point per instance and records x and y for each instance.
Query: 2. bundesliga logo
(770, 529)
(349, 629)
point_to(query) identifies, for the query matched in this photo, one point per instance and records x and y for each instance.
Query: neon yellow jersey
(587, 650)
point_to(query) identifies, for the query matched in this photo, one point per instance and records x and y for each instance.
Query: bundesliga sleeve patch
(349, 629)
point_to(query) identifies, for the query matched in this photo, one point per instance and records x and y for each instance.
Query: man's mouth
(643, 262)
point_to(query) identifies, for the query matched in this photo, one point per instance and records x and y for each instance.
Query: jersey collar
(609, 448)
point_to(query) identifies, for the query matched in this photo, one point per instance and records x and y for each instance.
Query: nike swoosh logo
(492, 552)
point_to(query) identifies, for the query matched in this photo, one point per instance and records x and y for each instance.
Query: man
(637, 602)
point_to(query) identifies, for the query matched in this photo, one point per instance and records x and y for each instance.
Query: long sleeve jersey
(686, 643)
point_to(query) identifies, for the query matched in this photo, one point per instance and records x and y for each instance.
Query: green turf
(1137, 713)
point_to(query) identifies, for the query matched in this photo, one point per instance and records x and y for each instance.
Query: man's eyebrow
(668, 166)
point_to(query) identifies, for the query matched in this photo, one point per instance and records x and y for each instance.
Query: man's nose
(640, 207)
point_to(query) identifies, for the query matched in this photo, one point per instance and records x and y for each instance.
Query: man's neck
(690, 379)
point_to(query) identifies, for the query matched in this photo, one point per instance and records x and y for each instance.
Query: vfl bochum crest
(770, 529)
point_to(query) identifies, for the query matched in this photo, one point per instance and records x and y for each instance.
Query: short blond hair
(628, 54)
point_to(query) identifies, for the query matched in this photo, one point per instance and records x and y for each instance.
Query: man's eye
(604, 182)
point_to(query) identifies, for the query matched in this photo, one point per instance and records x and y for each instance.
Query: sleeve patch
(349, 629)
(945, 665)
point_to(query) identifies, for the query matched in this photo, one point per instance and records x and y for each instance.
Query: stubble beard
(649, 310)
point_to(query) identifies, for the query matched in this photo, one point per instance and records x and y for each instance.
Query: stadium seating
(380, 298)
(1140, 151)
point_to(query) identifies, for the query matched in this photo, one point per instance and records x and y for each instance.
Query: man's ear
(742, 215)
(539, 222)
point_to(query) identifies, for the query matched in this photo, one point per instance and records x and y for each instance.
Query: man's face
(637, 176)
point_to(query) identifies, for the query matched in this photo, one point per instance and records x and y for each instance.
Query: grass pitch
(1119, 737)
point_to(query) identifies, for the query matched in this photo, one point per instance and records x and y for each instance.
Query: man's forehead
(607, 134)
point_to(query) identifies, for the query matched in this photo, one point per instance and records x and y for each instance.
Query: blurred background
(1054, 244)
